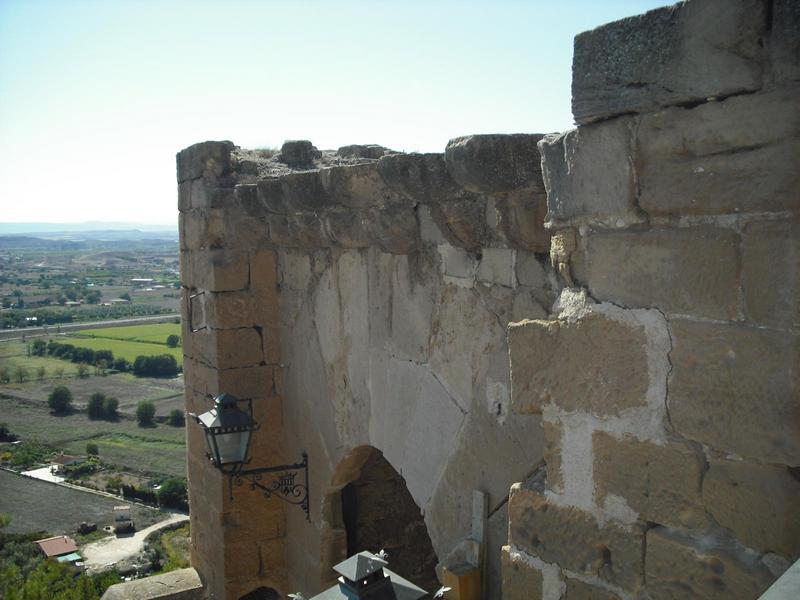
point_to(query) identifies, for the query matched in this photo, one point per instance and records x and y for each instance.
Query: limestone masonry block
(229, 348)
(304, 191)
(552, 455)
(661, 483)
(685, 271)
(183, 584)
(497, 266)
(463, 221)
(578, 590)
(521, 580)
(530, 271)
(307, 230)
(206, 159)
(394, 229)
(595, 364)
(279, 232)
(495, 162)
(771, 273)
(784, 42)
(679, 568)
(270, 193)
(457, 262)
(522, 215)
(737, 389)
(671, 55)
(574, 540)
(347, 228)
(298, 153)
(357, 186)
(738, 155)
(589, 174)
(420, 177)
(216, 270)
(232, 310)
(758, 503)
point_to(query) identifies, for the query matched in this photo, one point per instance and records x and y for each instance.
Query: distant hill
(24, 241)
(86, 227)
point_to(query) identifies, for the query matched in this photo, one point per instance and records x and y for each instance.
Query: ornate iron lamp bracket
(280, 481)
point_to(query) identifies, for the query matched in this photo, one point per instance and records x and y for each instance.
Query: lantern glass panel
(232, 446)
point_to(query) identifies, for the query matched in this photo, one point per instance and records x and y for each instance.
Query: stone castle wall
(360, 305)
(668, 380)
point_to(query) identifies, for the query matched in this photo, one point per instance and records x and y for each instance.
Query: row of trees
(162, 365)
(101, 406)
(53, 316)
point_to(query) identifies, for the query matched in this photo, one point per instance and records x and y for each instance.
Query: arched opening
(370, 508)
(262, 593)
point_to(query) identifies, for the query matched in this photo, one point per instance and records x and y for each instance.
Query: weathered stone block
(497, 266)
(685, 271)
(362, 151)
(595, 363)
(530, 270)
(457, 262)
(758, 503)
(420, 177)
(229, 348)
(589, 174)
(661, 483)
(304, 191)
(270, 193)
(216, 270)
(578, 590)
(738, 155)
(346, 228)
(521, 580)
(298, 154)
(522, 216)
(395, 230)
(206, 159)
(771, 273)
(552, 455)
(308, 231)
(679, 568)
(357, 186)
(574, 540)
(671, 55)
(463, 221)
(784, 41)
(279, 232)
(495, 162)
(183, 584)
(736, 388)
(231, 310)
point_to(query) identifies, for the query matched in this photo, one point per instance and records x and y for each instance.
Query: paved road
(111, 550)
(31, 332)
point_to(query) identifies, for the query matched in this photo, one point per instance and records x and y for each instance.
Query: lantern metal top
(226, 417)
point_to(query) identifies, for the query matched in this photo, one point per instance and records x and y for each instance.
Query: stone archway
(370, 508)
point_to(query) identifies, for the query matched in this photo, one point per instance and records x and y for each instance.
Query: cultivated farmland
(37, 505)
(155, 333)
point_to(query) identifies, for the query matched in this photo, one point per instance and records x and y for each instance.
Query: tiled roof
(359, 566)
(56, 546)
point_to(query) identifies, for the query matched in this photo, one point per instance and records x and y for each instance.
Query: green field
(159, 449)
(124, 348)
(155, 334)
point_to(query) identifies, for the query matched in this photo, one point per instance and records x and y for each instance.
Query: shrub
(60, 399)
(22, 375)
(110, 408)
(176, 418)
(39, 347)
(173, 340)
(92, 449)
(5, 433)
(145, 411)
(122, 365)
(83, 370)
(40, 373)
(5, 375)
(163, 365)
(96, 407)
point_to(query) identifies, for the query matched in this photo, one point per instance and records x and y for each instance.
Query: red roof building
(57, 546)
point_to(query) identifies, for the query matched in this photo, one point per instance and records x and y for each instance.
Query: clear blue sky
(96, 97)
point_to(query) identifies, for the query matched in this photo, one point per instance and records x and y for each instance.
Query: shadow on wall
(262, 593)
(369, 507)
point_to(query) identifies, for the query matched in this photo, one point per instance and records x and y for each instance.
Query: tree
(172, 493)
(83, 370)
(39, 347)
(122, 365)
(96, 407)
(125, 296)
(110, 406)
(5, 433)
(176, 418)
(93, 296)
(40, 373)
(173, 340)
(60, 399)
(92, 449)
(145, 411)
(5, 375)
(59, 372)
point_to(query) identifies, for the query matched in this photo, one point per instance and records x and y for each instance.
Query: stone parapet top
(183, 584)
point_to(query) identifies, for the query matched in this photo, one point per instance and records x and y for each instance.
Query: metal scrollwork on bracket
(279, 482)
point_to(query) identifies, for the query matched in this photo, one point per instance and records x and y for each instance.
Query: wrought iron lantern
(228, 431)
